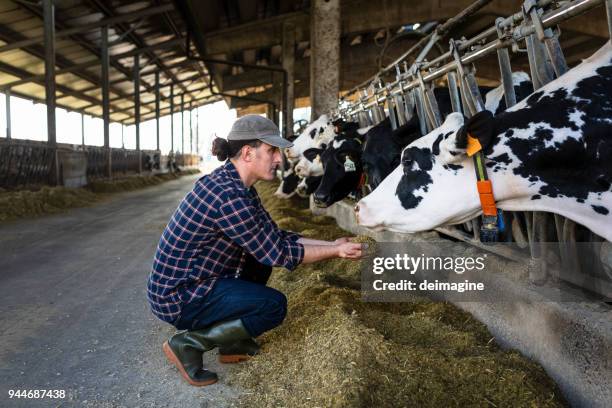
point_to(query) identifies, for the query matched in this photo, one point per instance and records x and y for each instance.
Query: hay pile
(335, 351)
(48, 200)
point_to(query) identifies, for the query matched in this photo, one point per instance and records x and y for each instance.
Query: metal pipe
(190, 130)
(428, 41)
(284, 93)
(451, 79)
(551, 18)
(503, 59)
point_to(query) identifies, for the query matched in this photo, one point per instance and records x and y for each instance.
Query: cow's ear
(452, 148)
(312, 153)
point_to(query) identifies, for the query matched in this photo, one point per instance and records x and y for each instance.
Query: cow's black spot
(536, 197)
(453, 167)
(411, 181)
(435, 148)
(321, 130)
(600, 209)
(290, 183)
(313, 133)
(501, 158)
(421, 155)
(577, 165)
(415, 177)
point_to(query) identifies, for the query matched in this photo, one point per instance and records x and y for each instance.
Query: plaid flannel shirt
(207, 239)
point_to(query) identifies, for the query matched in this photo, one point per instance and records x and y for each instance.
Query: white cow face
(434, 185)
(306, 139)
(310, 164)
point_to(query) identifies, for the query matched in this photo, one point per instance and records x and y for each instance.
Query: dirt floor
(334, 350)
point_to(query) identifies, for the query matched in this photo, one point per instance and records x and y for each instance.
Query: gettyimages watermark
(456, 271)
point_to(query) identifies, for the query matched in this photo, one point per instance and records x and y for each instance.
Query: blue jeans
(259, 307)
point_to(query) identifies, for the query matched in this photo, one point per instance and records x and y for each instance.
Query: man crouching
(215, 256)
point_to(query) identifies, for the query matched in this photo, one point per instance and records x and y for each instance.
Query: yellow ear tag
(473, 146)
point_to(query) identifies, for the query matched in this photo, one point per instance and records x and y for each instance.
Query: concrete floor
(74, 310)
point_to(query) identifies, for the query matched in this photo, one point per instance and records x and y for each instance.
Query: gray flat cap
(257, 127)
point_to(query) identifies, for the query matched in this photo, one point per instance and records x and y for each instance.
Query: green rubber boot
(241, 350)
(185, 349)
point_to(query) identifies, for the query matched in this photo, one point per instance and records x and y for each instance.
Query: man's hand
(350, 250)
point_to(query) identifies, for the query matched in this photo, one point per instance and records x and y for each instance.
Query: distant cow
(551, 152)
(288, 185)
(306, 139)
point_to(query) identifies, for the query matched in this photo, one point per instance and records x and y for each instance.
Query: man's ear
(247, 153)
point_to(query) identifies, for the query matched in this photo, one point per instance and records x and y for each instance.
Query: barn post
(157, 109)
(172, 119)
(324, 56)
(105, 61)
(49, 43)
(7, 96)
(288, 56)
(137, 109)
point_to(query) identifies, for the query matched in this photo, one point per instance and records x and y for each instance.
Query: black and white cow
(551, 152)
(380, 153)
(308, 138)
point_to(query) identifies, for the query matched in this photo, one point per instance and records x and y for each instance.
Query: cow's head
(307, 138)
(433, 185)
(310, 163)
(341, 162)
(382, 149)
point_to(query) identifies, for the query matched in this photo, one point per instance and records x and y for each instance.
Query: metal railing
(25, 163)
(412, 90)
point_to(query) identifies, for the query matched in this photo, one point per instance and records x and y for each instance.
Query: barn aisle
(75, 315)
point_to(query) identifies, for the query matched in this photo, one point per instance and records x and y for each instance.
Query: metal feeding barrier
(412, 91)
(24, 163)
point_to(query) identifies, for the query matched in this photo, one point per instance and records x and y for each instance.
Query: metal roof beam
(60, 24)
(41, 81)
(92, 63)
(134, 37)
(144, 12)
